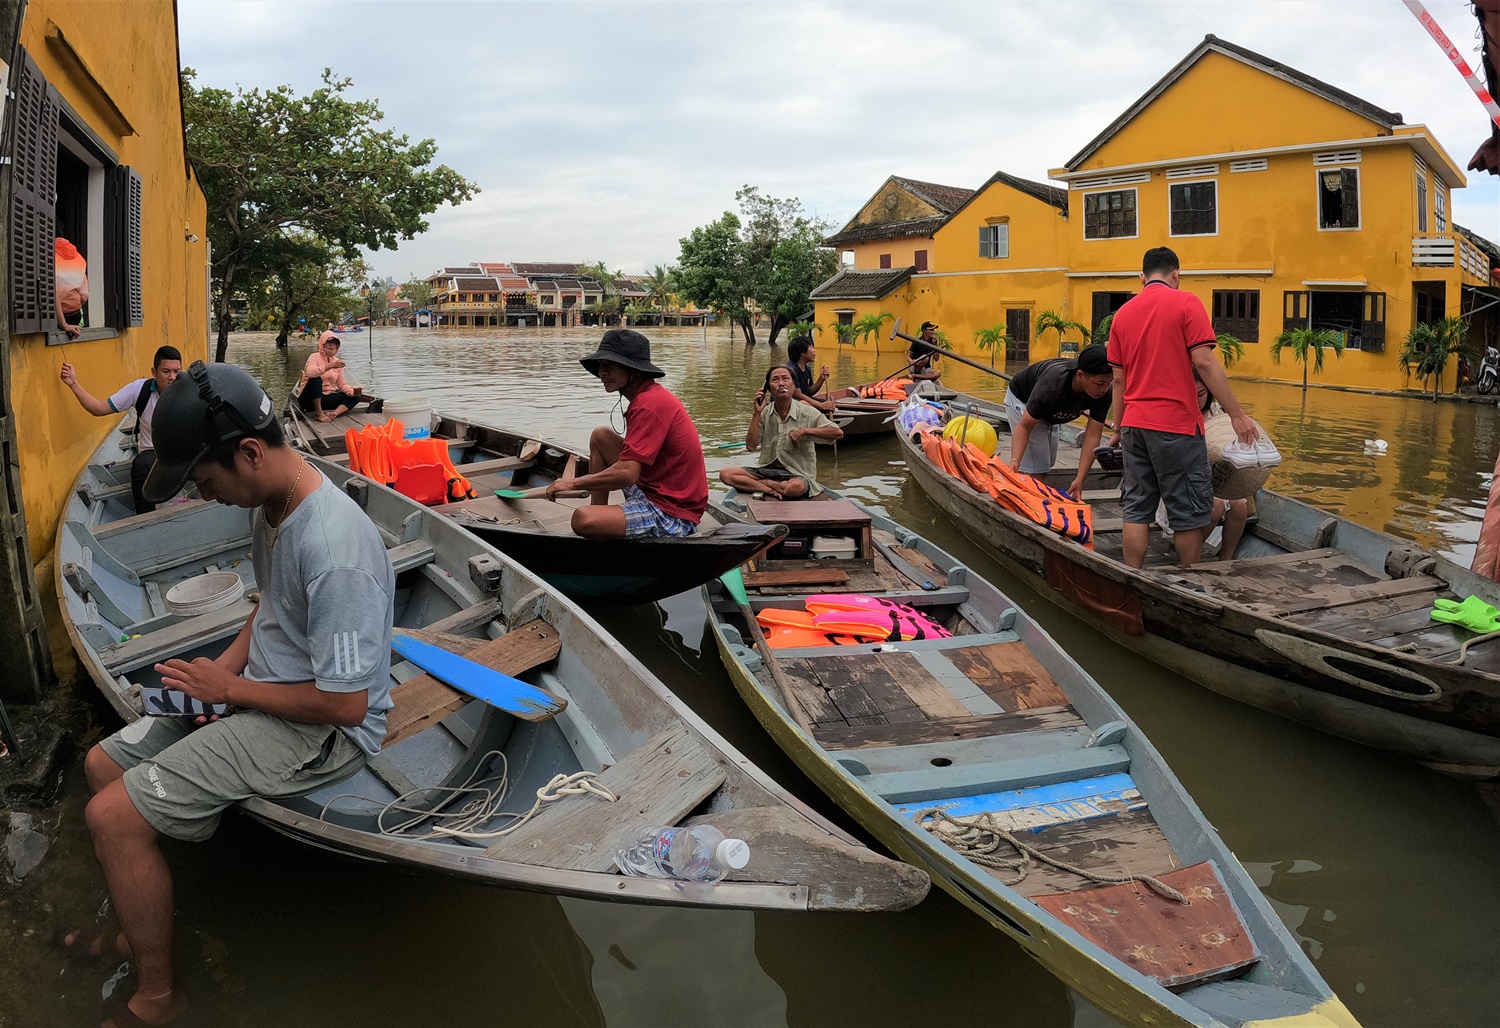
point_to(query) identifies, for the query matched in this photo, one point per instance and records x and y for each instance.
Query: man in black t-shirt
(801, 354)
(1053, 393)
(923, 353)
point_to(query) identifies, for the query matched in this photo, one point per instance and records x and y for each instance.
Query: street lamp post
(370, 312)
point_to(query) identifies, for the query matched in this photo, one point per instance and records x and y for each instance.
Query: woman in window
(72, 290)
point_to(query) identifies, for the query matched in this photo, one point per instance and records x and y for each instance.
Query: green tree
(1427, 349)
(1307, 347)
(419, 292)
(303, 279)
(1051, 320)
(995, 339)
(710, 272)
(272, 163)
(803, 328)
(600, 273)
(606, 309)
(1231, 349)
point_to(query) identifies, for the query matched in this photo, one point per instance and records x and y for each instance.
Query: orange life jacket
(1022, 494)
(419, 468)
(891, 389)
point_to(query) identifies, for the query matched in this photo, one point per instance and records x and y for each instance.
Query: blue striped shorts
(644, 518)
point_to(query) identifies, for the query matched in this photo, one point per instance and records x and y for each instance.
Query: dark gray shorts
(772, 473)
(182, 777)
(1165, 467)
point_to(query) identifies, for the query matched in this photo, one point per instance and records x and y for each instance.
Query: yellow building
(99, 157)
(1289, 202)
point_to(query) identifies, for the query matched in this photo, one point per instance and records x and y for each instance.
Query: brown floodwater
(1382, 869)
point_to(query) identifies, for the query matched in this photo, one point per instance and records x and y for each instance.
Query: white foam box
(833, 547)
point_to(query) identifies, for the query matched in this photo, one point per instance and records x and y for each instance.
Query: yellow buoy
(973, 430)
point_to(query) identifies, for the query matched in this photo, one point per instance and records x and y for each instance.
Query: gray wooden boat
(115, 569)
(999, 729)
(538, 532)
(1318, 619)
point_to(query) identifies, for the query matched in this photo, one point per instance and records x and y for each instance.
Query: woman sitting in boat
(323, 386)
(1052, 393)
(786, 432)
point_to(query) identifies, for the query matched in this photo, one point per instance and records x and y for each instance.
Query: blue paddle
(498, 690)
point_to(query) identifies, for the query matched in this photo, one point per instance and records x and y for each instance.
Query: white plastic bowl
(204, 593)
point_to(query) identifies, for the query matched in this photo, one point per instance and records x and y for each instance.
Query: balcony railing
(1430, 252)
(1474, 260)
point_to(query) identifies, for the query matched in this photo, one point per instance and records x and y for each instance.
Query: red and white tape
(1442, 40)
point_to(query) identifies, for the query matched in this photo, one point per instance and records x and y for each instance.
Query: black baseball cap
(209, 405)
(926, 325)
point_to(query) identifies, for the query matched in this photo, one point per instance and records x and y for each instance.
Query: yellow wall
(131, 50)
(902, 251)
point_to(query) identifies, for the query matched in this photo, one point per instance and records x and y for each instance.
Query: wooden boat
(538, 532)
(664, 763)
(997, 725)
(1318, 619)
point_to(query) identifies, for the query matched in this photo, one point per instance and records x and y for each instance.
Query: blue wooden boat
(115, 572)
(939, 745)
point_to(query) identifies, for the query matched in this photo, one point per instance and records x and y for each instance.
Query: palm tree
(869, 325)
(1231, 349)
(1101, 330)
(1054, 320)
(803, 328)
(1427, 348)
(994, 339)
(1307, 346)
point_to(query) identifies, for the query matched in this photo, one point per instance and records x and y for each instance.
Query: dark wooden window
(33, 185)
(919, 260)
(1421, 202)
(1373, 329)
(885, 260)
(122, 241)
(1105, 304)
(1195, 208)
(994, 241)
(1018, 327)
(1358, 317)
(846, 318)
(1294, 309)
(1236, 312)
(1109, 215)
(1338, 198)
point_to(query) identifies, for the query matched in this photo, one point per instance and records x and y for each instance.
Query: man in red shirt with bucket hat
(657, 463)
(1155, 342)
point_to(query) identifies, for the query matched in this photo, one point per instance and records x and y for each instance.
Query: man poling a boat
(1050, 394)
(786, 431)
(308, 675)
(923, 353)
(658, 462)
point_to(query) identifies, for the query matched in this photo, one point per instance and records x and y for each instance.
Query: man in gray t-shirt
(308, 675)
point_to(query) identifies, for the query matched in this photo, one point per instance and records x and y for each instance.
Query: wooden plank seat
(660, 783)
(865, 738)
(492, 466)
(997, 776)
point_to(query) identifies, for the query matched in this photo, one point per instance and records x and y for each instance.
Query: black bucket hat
(625, 347)
(205, 407)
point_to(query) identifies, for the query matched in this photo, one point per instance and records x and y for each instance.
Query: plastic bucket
(415, 413)
(204, 593)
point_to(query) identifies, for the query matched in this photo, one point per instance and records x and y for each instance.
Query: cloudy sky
(609, 130)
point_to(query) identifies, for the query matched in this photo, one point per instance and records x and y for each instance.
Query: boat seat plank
(853, 737)
(1177, 944)
(1352, 617)
(1035, 807)
(1129, 841)
(410, 555)
(777, 579)
(1010, 674)
(1007, 745)
(919, 560)
(1377, 590)
(659, 783)
(166, 642)
(423, 701)
(1249, 564)
(997, 776)
(496, 464)
(871, 688)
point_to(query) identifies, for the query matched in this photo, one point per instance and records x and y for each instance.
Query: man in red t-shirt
(657, 463)
(1155, 342)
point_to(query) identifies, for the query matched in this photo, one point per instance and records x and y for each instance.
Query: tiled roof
(481, 284)
(491, 268)
(1038, 190)
(1478, 240)
(888, 230)
(513, 283)
(945, 198)
(1348, 101)
(530, 270)
(850, 284)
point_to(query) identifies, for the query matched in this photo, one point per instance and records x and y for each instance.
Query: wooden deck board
(658, 783)
(1130, 841)
(848, 737)
(1010, 674)
(1355, 615)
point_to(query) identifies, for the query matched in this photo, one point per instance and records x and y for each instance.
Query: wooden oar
(896, 333)
(499, 690)
(735, 583)
(538, 493)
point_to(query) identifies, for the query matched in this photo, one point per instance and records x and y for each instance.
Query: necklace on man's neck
(272, 534)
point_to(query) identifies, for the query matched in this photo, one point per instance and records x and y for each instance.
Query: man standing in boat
(657, 463)
(1050, 394)
(140, 395)
(308, 676)
(800, 354)
(786, 432)
(1155, 342)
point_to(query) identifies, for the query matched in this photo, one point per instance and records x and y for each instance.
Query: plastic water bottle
(697, 854)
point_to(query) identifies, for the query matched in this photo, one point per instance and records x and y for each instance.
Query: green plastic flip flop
(1472, 613)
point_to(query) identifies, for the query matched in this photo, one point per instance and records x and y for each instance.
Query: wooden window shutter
(985, 249)
(919, 259)
(885, 260)
(1349, 195)
(122, 240)
(1296, 307)
(1101, 309)
(33, 187)
(1372, 330)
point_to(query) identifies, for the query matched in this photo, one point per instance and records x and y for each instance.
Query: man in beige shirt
(785, 431)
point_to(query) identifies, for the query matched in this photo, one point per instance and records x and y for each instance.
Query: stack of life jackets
(1022, 494)
(836, 619)
(890, 389)
(419, 468)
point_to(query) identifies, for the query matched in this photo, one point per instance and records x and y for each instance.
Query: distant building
(1290, 203)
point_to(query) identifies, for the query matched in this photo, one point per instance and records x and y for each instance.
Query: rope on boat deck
(482, 808)
(978, 837)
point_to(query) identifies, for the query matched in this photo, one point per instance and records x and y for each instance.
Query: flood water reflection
(1382, 869)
